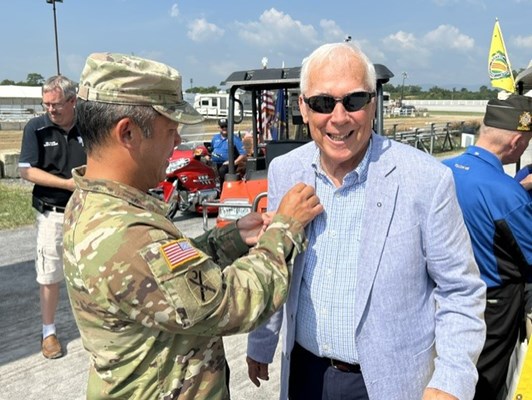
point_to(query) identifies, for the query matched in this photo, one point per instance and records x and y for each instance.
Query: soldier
(151, 304)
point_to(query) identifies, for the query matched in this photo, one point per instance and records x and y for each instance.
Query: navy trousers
(314, 378)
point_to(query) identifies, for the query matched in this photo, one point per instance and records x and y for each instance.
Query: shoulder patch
(178, 252)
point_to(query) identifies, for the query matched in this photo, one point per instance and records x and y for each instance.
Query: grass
(15, 207)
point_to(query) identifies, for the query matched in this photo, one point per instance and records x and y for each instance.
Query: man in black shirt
(51, 147)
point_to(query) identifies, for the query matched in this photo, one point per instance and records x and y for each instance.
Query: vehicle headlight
(176, 164)
(233, 210)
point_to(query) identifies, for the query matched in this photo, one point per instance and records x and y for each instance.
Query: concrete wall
(9, 164)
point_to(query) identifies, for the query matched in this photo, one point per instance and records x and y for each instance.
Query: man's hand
(300, 203)
(436, 394)
(252, 226)
(256, 371)
(527, 182)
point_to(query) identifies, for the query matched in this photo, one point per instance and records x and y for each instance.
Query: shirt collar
(485, 155)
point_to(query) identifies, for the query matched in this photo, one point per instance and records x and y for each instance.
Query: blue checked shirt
(325, 315)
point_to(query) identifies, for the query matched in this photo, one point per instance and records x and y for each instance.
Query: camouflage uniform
(150, 307)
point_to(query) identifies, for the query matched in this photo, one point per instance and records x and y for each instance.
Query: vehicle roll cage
(258, 80)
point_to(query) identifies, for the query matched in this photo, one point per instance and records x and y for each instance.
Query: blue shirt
(326, 308)
(498, 215)
(523, 173)
(220, 148)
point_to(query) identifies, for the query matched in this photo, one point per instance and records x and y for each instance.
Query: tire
(172, 210)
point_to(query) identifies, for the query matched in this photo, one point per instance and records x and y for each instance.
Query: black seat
(280, 147)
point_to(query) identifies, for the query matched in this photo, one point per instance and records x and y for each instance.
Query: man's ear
(126, 133)
(303, 108)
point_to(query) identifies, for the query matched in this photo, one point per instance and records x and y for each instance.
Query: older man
(498, 214)
(387, 302)
(51, 147)
(151, 304)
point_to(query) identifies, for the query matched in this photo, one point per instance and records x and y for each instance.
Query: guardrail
(434, 136)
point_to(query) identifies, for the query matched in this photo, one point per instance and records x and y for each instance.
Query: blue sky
(436, 42)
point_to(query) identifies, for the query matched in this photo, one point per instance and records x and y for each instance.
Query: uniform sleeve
(223, 245)
(185, 290)
(29, 152)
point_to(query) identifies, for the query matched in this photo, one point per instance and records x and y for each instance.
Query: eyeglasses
(324, 104)
(55, 106)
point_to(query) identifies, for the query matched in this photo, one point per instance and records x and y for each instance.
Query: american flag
(178, 252)
(267, 112)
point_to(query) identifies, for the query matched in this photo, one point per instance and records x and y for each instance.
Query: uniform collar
(118, 190)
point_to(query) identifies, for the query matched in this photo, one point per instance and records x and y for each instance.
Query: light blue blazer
(419, 321)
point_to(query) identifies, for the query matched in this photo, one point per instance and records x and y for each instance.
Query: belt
(344, 367)
(57, 209)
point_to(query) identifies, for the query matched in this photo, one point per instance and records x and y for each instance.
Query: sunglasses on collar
(324, 104)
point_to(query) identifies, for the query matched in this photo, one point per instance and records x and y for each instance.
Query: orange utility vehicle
(243, 193)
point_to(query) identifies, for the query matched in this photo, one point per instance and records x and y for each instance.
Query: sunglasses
(324, 104)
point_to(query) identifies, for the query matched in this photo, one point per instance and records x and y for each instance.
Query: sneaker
(51, 348)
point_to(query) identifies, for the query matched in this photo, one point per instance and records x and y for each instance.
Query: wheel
(172, 210)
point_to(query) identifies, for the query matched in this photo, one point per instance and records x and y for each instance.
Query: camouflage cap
(125, 79)
(512, 114)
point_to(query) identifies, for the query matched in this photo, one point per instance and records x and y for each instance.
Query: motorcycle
(190, 180)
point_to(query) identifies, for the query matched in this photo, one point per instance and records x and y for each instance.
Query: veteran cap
(125, 79)
(513, 114)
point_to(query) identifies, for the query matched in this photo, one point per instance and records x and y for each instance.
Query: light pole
(405, 75)
(52, 2)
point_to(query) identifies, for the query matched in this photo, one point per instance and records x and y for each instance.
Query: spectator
(220, 151)
(51, 147)
(498, 215)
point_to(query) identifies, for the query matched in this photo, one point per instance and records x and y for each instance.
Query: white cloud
(523, 42)
(200, 30)
(401, 40)
(331, 31)
(174, 11)
(450, 37)
(275, 27)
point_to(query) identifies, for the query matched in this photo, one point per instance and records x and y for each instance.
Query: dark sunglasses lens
(355, 101)
(322, 104)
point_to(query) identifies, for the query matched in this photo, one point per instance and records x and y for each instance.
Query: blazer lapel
(380, 204)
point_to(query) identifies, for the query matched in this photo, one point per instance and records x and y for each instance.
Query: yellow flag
(499, 68)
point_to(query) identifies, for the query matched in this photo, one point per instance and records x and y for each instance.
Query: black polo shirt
(48, 147)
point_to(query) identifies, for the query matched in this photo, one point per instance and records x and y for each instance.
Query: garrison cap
(129, 80)
(512, 114)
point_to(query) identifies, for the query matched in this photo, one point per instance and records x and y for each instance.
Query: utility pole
(52, 2)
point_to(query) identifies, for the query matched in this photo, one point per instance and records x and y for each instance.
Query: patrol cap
(513, 113)
(125, 79)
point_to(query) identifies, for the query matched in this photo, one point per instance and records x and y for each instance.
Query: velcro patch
(179, 252)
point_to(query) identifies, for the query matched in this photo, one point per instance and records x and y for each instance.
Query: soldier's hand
(252, 226)
(300, 203)
(256, 371)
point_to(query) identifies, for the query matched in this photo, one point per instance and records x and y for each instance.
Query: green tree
(203, 90)
(7, 82)
(33, 79)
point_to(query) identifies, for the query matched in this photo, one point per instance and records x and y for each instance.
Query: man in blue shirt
(220, 151)
(524, 176)
(498, 214)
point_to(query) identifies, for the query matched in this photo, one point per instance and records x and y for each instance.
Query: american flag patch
(178, 252)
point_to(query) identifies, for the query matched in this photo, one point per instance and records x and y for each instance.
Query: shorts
(49, 261)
